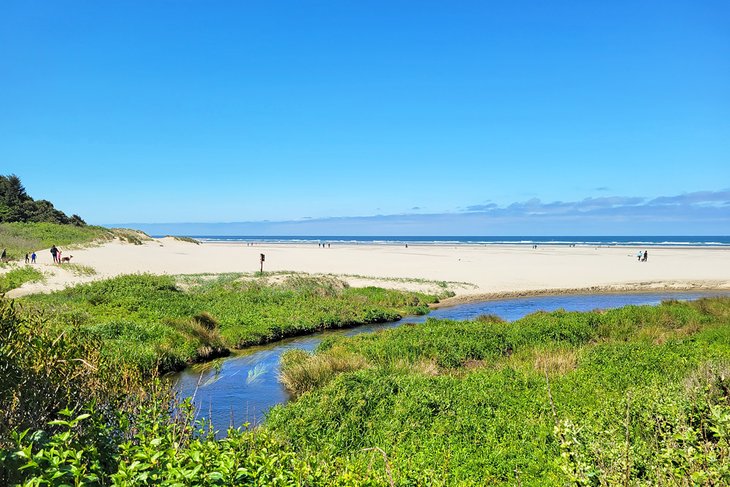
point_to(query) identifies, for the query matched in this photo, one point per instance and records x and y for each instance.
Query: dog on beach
(66, 259)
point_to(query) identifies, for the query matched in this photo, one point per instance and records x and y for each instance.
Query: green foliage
(159, 324)
(186, 239)
(17, 206)
(540, 401)
(636, 396)
(17, 276)
(21, 238)
(80, 269)
(44, 374)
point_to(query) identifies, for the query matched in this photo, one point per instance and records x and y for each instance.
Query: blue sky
(373, 117)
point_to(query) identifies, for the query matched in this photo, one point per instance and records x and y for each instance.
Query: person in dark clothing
(54, 254)
(646, 255)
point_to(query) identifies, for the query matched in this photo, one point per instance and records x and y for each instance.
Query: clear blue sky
(220, 111)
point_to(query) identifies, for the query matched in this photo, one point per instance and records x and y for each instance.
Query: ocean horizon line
(583, 240)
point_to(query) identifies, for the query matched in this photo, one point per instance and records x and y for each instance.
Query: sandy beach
(471, 271)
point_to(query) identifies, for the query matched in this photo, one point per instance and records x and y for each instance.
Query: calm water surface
(243, 387)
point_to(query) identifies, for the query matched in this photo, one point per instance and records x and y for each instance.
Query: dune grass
(22, 238)
(17, 276)
(155, 321)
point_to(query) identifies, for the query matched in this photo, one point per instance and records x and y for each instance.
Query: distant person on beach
(58, 256)
(27, 259)
(638, 256)
(32, 258)
(4, 255)
(54, 254)
(646, 255)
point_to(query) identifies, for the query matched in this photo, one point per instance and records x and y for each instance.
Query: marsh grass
(165, 322)
(302, 372)
(624, 408)
(551, 399)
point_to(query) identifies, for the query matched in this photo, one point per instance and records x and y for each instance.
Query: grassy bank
(21, 238)
(634, 396)
(164, 323)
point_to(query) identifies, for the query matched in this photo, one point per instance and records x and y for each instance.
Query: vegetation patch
(158, 323)
(17, 276)
(551, 399)
(80, 269)
(185, 239)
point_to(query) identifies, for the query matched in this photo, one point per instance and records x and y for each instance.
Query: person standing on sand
(646, 255)
(32, 258)
(638, 256)
(27, 259)
(54, 253)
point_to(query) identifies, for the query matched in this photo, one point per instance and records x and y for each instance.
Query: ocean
(591, 241)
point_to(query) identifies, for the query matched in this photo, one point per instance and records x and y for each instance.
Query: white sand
(488, 269)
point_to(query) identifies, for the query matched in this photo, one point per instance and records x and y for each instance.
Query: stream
(241, 388)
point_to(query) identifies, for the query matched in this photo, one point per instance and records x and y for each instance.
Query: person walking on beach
(58, 256)
(646, 255)
(638, 256)
(32, 258)
(3, 256)
(27, 259)
(54, 254)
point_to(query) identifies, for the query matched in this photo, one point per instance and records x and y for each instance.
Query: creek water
(243, 387)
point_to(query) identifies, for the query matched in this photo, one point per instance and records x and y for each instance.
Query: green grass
(155, 321)
(634, 396)
(185, 239)
(17, 276)
(80, 269)
(22, 238)
(472, 402)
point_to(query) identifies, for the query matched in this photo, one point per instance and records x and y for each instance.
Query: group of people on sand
(642, 256)
(30, 258)
(56, 254)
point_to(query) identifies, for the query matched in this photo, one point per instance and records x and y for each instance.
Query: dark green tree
(17, 206)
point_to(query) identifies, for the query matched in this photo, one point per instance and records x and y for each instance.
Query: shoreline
(648, 288)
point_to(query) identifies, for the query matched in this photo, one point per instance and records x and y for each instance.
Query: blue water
(243, 387)
(631, 241)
